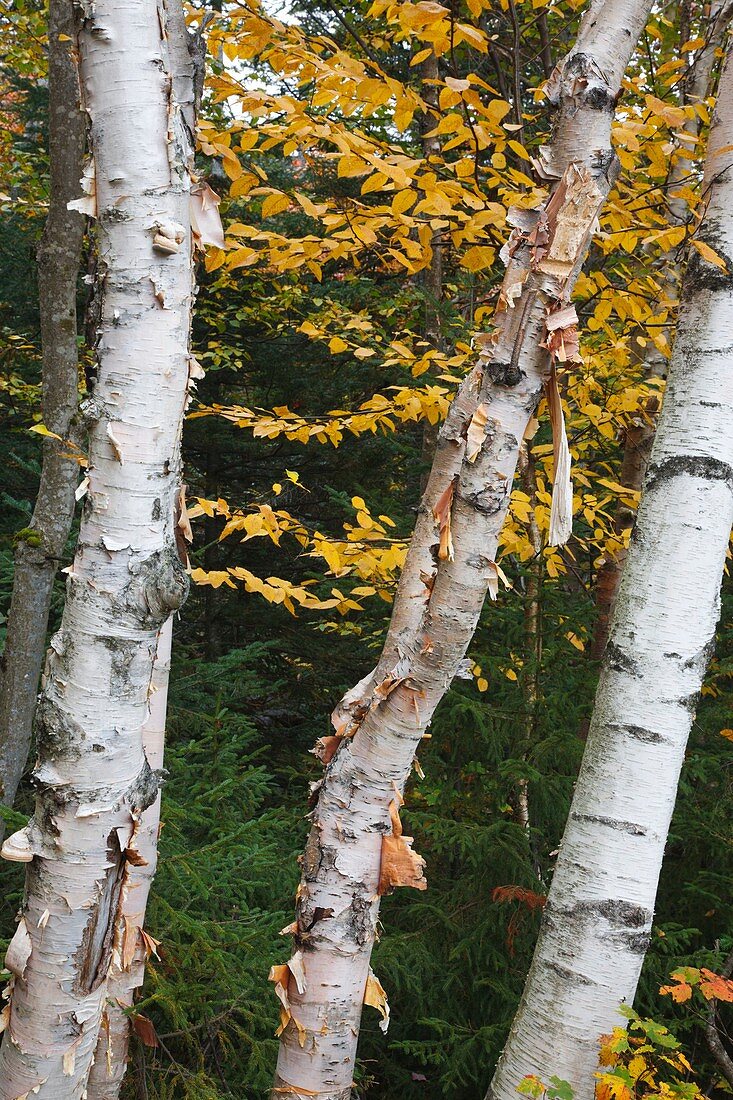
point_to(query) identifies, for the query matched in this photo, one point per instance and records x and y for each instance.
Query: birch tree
(695, 88)
(40, 547)
(132, 946)
(93, 778)
(598, 917)
(356, 851)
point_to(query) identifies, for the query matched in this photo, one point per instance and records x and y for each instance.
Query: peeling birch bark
(38, 555)
(640, 432)
(449, 568)
(598, 917)
(133, 947)
(93, 779)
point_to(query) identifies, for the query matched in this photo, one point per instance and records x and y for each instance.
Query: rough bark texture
(40, 548)
(449, 568)
(531, 669)
(637, 448)
(433, 274)
(598, 917)
(131, 949)
(640, 432)
(93, 779)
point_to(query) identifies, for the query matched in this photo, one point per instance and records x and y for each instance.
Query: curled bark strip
(561, 509)
(281, 976)
(375, 996)
(283, 1089)
(326, 747)
(477, 432)
(400, 866)
(205, 220)
(19, 950)
(442, 515)
(562, 335)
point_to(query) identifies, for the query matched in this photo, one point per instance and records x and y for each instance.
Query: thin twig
(712, 1035)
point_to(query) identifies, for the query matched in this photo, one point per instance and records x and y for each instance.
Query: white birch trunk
(355, 850)
(131, 951)
(599, 913)
(93, 779)
(640, 432)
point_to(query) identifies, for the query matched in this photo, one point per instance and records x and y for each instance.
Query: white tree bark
(599, 913)
(698, 85)
(131, 949)
(93, 779)
(356, 851)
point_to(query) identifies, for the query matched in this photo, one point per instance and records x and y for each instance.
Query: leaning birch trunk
(640, 432)
(93, 779)
(356, 850)
(132, 949)
(598, 918)
(40, 548)
(432, 276)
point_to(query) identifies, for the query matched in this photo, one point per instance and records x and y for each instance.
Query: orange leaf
(679, 993)
(715, 987)
(144, 1029)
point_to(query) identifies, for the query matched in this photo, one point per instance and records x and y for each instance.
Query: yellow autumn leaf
(709, 254)
(41, 429)
(275, 204)
(421, 56)
(310, 207)
(637, 1065)
(478, 257)
(673, 116)
(350, 165)
(402, 201)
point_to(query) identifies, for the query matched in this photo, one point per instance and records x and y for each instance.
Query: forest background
(333, 329)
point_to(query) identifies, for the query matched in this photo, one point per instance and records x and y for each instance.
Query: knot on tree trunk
(504, 374)
(143, 790)
(160, 586)
(578, 81)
